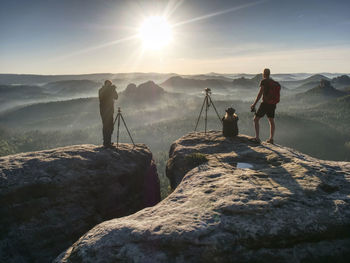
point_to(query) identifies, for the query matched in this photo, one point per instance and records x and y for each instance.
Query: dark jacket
(230, 127)
(107, 95)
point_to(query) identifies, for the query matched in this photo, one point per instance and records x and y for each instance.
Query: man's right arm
(115, 94)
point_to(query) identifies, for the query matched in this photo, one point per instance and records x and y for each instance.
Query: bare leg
(256, 125)
(272, 128)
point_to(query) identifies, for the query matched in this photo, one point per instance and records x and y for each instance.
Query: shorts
(268, 109)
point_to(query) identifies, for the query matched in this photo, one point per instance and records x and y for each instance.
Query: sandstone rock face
(48, 199)
(246, 203)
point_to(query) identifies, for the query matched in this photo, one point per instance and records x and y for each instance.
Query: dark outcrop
(341, 82)
(48, 199)
(320, 92)
(324, 90)
(245, 83)
(145, 92)
(234, 201)
(343, 79)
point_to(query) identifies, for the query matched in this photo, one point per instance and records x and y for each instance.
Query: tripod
(117, 118)
(207, 102)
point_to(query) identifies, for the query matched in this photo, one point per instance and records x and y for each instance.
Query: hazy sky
(87, 36)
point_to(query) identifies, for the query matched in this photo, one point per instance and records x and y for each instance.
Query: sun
(155, 33)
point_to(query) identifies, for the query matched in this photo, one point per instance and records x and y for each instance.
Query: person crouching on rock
(230, 123)
(107, 94)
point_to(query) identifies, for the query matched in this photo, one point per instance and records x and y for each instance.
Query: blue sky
(81, 36)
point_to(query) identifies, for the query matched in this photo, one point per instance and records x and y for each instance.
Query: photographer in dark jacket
(107, 94)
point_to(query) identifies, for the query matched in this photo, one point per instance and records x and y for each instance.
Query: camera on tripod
(207, 103)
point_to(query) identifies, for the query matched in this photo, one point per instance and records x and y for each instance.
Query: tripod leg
(212, 103)
(206, 113)
(118, 116)
(126, 127)
(200, 113)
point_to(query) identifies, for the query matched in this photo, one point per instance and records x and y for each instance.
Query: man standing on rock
(107, 94)
(270, 92)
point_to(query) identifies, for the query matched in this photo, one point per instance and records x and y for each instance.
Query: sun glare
(155, 33)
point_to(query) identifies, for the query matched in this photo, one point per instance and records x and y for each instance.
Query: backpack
(273, 93)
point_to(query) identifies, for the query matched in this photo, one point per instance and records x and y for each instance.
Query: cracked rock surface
(48, 199)
(285, 207)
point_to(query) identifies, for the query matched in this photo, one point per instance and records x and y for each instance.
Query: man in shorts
(264, 108)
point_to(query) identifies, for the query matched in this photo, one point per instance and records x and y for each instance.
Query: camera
(207, 90)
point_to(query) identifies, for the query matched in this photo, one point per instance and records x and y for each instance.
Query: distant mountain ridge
(19, 91)
(341, 82)
(322, 93)
(316, 77)
(12, 96)
(72, 87)
(45, 88)
(206, 76)
(325, 89)
(306, 83)
(30, 79)
(33, 79)
(178, 83)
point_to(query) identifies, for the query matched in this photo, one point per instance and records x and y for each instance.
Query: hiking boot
(270, 141)
(256, 140)
(110, 145)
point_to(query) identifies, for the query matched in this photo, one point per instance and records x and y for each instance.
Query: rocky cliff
(48, 199)
(234, 201)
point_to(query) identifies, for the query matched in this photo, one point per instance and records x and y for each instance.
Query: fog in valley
(42, 112)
